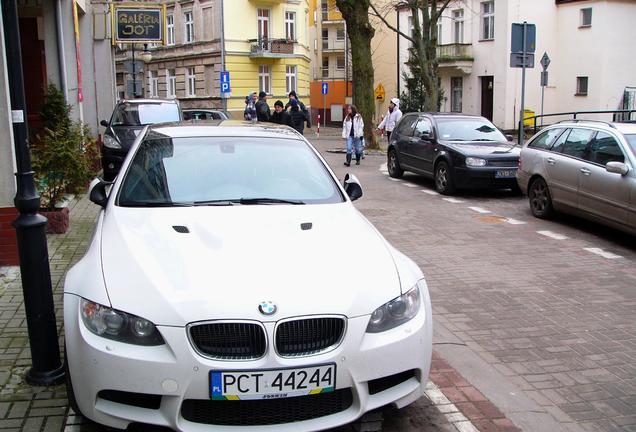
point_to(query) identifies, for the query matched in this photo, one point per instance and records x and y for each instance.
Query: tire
(393, 165)
(444, 182)
(540, 199)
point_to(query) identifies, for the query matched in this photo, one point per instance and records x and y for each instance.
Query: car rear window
(194, 170)
(145, 114)
(407, 125)
(577, 142)
(545, 139)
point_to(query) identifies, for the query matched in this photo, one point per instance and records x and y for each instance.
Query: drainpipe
(61, 53)
(223, 99)
(398, 53)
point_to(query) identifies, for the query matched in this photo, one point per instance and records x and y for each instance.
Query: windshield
(140, 115)
(225, 171)
(468, 129)
(631, 139)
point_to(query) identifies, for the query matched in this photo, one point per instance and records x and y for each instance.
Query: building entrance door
(487, 93)
(34, 70)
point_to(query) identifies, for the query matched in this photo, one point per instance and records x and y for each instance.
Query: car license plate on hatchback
(512, 173)
(274, 383)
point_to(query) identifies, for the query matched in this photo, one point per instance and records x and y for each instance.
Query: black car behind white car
(458, 151)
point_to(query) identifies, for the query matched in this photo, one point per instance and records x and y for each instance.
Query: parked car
(585, 168)
(208, 297)
(458, 151)
(203, 114)
(127, 121)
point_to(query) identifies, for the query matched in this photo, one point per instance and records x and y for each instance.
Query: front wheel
(393, 165)
(444, 182)
(540, 199)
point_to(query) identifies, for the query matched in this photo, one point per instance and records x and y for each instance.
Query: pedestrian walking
(301, 106)
(353, 132)
(391, 118)
(250, 107)
(263, 112)
(280, 116)
(298, 118)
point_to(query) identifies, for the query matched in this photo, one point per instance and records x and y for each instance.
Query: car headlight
(475, 162)
(117, 325)
(111, 142)
(398, 311)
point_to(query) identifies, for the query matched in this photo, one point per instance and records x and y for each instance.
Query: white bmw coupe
(231, 283)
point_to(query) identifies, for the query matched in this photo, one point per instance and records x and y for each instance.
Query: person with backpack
(301, 106)
(262, 108)
(280, 116)
(353, 132)
(298, 118)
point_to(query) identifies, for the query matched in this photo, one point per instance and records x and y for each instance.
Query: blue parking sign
(325, 88)
(225, 82)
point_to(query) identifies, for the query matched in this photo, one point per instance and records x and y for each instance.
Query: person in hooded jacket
(301, 106)
(391, 118)
(262, 108)
(353, 132)
(250, 107)
(298, 118)
(280, 116)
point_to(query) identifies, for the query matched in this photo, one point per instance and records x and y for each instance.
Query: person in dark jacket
(280, 116)
(298, 118)
(250, 107)
(303, 109)
(262, 108)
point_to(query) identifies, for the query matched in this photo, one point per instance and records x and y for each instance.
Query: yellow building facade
(266, 49)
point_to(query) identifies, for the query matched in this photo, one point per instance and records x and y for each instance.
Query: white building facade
(590, 44)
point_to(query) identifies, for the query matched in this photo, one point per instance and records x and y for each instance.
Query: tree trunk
(360, 31)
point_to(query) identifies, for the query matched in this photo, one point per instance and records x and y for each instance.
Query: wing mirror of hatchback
(617, 168)
(97, 192)
(509, 137)
(352, 187)
(426, 136)
(104, 123)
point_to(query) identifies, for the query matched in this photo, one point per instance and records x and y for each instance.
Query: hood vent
(181, 229)
(306, 226)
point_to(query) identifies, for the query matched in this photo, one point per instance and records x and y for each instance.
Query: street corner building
(66, 43)
(264, 45)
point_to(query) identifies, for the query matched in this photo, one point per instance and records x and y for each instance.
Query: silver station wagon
(584, 167)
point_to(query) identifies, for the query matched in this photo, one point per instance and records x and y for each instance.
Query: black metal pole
(30, 226)
(134, 73)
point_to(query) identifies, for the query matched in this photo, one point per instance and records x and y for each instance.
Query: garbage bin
(528, 121)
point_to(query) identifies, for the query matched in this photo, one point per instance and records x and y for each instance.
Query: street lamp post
(30, 226)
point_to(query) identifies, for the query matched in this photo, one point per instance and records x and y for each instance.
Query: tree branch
(437, 14)
(386, 23)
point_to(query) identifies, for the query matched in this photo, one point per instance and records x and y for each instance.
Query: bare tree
(360, 31)
(423, 53)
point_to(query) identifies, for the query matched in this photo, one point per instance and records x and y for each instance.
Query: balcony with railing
(331, 73)
(456, 55)
(272, 48)
(333, 45)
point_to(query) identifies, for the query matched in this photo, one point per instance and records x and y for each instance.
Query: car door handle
(551, 161)
(585, 171)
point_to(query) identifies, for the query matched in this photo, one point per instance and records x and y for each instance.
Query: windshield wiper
(154, 204)
(219, 202)
(248, 201)
(484, 139)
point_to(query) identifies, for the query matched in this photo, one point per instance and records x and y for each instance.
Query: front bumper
(174, 372)
(483, 178)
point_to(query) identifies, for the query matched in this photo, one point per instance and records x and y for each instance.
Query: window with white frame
(153, 84)
(439, 32)
(488, 20)
(581, 85)
(458, 26)
(171, 83)
(170, 29)
(191, 82)
(188, 20)
(456, 94)
(290, 78)
(586, 17)
(340, 33)
(265, 78)
(325, 67)
(340, 63)
(290, 26)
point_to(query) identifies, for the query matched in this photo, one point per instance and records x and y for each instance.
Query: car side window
(557, 146)
(407, 126)
(577, 142)
(215, 116)
(423, 126)
(545, 140)
(604, 149)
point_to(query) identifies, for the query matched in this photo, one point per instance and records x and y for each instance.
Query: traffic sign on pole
(545, 61)
(225, 83)
(325, 88)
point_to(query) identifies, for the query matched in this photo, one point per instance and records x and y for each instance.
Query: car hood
(235, 257)
(481, 148)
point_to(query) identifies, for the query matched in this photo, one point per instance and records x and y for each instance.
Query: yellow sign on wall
(379, 93)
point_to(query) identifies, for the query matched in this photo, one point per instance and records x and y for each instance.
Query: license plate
(271, 384)
(506, 173)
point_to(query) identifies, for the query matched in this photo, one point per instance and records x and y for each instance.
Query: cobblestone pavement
(534, 320)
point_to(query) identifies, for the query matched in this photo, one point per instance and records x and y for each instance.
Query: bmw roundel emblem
(267, 308)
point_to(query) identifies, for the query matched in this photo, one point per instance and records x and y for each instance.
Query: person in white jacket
(353, 132)
(391, 118)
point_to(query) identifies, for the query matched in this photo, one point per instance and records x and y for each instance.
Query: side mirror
(509, 137)
(104, 123)
(617, 168)
(352, 187)
(97, 192)
(425, 136)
